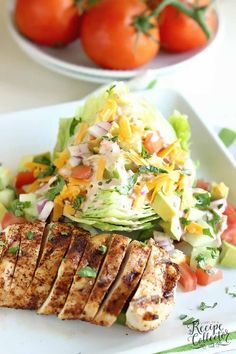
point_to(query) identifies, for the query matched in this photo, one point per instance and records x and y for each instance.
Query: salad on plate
(120, 167)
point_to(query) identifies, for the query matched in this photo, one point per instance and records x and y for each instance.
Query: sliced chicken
(67, 269)
(9, 259)
(154, 297)
(31, 237)
(56, 245)
(2, 243)
(107, 275)
(129, 275)
(85, 277)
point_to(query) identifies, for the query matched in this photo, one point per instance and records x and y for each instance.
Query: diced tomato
(229, 235)
(24, 178)
(9, 219)
(203, 184)
(153, 143)
(204, 278)
(230, 211)
(82, 172)
(188, 278)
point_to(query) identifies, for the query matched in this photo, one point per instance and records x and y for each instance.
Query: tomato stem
(195, 12)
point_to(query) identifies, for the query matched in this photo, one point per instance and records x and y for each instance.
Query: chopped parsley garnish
(18, 207)
(73, 125)
(78, 201)
(13, 249)
(121, 318)
(201, 261)
(203, 306)
(2, 243)
(87, 272)
(214, 221)
(203, 200)
(214, 252)
(114, 138)
(144, 153)
(110, 89)
(30, 235)
(131, 182)
(185, 221)
(102, 249)
(151, 84)
(56, 188)
(64, 233)
(151, 169)
(207, 232)
(182, 317)
(145, 235)
(228, 136)
(190, 321)
(50, 237)
(229, 292)
(48, 172)
(42, 159)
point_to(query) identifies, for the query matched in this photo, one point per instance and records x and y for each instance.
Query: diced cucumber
(6, 197)
(32, 211)
(5, 178)
(210, 255)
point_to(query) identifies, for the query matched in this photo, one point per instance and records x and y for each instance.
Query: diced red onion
(41, 203)
(97, 131)
(64, 172)
(46, 211)
(42, 189)
(78, 150)
(74, 161)
(164, 241)
(104, 125)
(219, 205)
(144, 190)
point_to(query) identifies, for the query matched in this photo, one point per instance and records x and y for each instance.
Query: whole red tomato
(48, 22)
(179, 32)
(118, 35)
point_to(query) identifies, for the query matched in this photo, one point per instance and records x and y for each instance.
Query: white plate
(24, 332)
(72, 61)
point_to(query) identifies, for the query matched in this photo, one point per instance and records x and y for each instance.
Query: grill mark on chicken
(82, 286)
(107, 275)
(127, 280)
(172, 276)
(56, 245)
(26, 262)
(8, 260)
(58, 294)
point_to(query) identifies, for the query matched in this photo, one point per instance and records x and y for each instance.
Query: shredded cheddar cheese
(194, 228)
(61, 160)
(125, 131)
(100, 168)
(81, 133)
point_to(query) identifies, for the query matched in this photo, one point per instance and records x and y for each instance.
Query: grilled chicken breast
(82, 284)
(31, 237)
(8, 260)
(126, 282)
(107, 275)
(58, 294)
(61, 270)
(154, 297)
(56, 245)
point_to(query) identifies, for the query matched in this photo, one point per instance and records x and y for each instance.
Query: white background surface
(209, 83)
